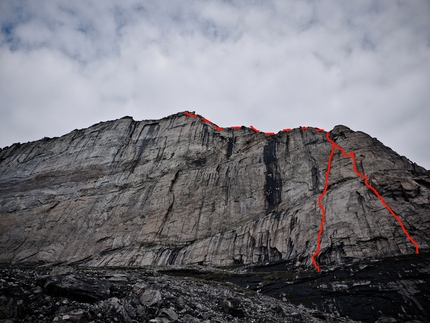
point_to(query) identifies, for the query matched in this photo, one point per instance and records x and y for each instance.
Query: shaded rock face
(177, 191)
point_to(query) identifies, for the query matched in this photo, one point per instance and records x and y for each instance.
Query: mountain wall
(181, 190)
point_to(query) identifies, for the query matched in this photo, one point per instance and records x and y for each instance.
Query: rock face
(185, 193)
(178, 191)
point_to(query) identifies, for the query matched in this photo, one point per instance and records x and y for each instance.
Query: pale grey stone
(150, 297)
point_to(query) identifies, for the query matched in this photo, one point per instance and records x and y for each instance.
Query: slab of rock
(150, 297)
(177, 191)
(87, 290)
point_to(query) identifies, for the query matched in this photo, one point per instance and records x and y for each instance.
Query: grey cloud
(273, 64)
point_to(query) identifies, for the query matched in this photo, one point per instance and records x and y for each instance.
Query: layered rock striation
(181, 191)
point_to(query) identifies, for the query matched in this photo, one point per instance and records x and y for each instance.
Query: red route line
(366, 182)
(322, 207)
(190, 114)
(354, 165)
(267, 133)
(254, 129)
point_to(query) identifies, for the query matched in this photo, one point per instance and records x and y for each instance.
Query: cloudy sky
(271, 63)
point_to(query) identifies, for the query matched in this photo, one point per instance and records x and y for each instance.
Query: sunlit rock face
(178, 191)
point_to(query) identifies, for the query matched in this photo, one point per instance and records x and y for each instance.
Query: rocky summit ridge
(183, 191)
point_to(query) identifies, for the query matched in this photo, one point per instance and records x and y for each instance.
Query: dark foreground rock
(136, 295)
(390, 290)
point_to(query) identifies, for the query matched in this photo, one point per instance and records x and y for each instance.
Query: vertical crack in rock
(160, 152)
(315, 178)
(130, 131)
(170, 208)
(144, 143)
(227, 186)
(173, 255)
(205, 137)
(287, 146)
(273, 184)
(230, 145)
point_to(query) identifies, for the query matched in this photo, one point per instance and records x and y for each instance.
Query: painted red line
(323, 212)
(269, 133)
(190, 114)
(204, 120)
(366, 182)
(327, 173)
(254, 129)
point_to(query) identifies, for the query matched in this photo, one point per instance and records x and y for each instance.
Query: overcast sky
(272, 64)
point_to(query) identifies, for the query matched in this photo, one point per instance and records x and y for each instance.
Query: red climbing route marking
(322, 208)
(366, 182)
(254, 129)
(190, 114)
(334, 146)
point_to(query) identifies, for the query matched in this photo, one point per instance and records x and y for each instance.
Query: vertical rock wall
(178, 191)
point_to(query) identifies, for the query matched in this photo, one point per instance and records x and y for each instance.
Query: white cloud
(273, 64)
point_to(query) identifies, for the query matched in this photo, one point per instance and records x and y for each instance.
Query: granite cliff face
(123, 213)
(181, 191)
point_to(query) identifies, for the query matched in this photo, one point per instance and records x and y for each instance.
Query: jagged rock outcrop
(178, 191)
